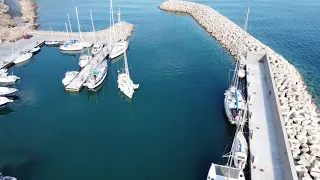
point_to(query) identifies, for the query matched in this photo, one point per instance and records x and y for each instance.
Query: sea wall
(299, 113)
(9, 30)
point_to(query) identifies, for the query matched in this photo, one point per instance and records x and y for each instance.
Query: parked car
(27, 36)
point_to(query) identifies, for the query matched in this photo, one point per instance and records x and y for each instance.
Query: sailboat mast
(245, 28)
(126, 67)
(94, 31)
(69, 23)
(119, 21)
(78, 24)
(67, 30)
(112, 19)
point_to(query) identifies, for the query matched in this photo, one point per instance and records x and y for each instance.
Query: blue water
(174, 127)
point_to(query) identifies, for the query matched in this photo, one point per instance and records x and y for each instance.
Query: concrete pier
(298, 128)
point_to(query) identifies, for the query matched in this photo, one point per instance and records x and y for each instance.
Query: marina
(174, 122)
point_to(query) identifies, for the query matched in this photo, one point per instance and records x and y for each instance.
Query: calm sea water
(175, 126)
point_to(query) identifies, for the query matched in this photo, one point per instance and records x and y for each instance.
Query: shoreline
(13, 31)
(300, 114)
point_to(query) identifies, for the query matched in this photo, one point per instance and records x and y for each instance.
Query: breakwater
(300, 114)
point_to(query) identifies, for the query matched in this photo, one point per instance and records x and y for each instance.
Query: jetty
(295, 117)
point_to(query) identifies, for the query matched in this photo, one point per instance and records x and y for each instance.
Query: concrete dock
(268, 151)
(77, 83)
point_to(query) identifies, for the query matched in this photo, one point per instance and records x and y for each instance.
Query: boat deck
(77, 83)
(265, 156)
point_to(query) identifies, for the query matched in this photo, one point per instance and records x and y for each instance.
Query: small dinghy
(84, 60)
(97, 76)
(3, 72)
(24, 57)
(3, 103)
(11, 79)
(241, 73)
(70, 75)
(52, 43)
(96, 48)
(35, 50)
(5, 91)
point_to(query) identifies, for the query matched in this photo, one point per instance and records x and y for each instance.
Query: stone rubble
(302, 120)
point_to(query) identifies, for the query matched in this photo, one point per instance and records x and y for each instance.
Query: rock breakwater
(302, 122)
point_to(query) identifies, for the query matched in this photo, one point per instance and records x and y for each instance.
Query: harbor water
(175, 126)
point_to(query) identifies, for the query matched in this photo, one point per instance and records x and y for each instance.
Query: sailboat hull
(233, 104)
(119, 49)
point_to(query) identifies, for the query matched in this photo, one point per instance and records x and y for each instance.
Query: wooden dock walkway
(77, 83)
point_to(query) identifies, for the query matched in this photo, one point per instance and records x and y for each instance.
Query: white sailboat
(125, 83)
(82, 42)
(5, 91)
(234, 101)
(240, 151)
(52, 43)
(69, 76)
(97, 76)
(71, 45)
(3, 102)
(121, 46)
(97, 47)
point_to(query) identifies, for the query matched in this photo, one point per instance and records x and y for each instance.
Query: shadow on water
(5, 110)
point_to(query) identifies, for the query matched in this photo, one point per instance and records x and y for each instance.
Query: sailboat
(82, 43)
(121, 46)
(241, 71)
(97, 76)
(125, 83)
(52, 43)
(71, 45)
(97, 47)
(234, 101)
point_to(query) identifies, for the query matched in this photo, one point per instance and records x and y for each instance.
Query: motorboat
(119, 49)
(240, 151)
(3, 72)
(52, 43)
(8, 80)
(3, 102)
(84, 60)
(70, 75)
(125, 84)
(97, 47)
(23, 57)
(5, 91)
(7, 177)
(34, 50)
(234, 103)
(97, 76)
(221, 172)
(72, 45)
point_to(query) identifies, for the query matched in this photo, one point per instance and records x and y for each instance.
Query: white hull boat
(24, 57)
(119, 49)
(72, 45)
(125, 84)
(234, 103)
(52, 43)
(85, 44)
(70, 75)
(219, 172)
(97, 77)
(35, 50)
(11, 79)
(96, 48)
(7, 177)
(84, 60)
(5, 91)
(241, 73)
(4, 101)
(240, 151)
(3, 72)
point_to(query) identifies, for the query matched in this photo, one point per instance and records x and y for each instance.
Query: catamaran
(97, 76)
(125, 83)
(70, 75)
(234, 101)
(97, 47)
(121, 46)
(5, 91)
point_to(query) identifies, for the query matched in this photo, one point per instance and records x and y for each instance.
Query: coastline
(300, 114)
(13, 31)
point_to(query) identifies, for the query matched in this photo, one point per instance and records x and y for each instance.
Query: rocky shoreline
(9, 30)
(300, 114)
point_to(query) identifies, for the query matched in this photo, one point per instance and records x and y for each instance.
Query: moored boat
(34, 50)
(72, 45)
(97, 47)
(8, 80)
(3, 72)
(69, 76)
(5, 91)
(220, 172)
(234, 103)
(3, 103)
(97, 76)
(23, 57)
(52, 43)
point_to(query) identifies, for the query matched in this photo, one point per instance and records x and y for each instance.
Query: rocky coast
(300, 114)
(11, 30)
